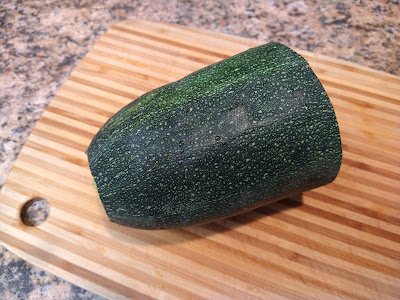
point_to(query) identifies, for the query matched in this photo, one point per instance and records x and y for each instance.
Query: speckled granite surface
(19, 280)
(42, 41)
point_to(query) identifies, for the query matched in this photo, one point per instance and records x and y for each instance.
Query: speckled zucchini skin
(235, 135)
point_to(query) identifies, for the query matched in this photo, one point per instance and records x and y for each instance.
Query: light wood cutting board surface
(339, 241)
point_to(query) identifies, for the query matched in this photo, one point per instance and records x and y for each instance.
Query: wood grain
(339, 241)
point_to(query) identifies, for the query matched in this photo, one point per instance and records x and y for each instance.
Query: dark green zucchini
(233, 136)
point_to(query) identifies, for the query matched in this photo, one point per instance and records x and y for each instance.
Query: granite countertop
(42, 41)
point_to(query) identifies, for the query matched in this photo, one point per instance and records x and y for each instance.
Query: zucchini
(236, 135)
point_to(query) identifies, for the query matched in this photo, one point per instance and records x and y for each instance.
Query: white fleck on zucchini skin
(235, 135)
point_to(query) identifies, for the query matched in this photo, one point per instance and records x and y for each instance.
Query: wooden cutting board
(337, 241)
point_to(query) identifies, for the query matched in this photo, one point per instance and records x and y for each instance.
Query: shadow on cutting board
(198, 232)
